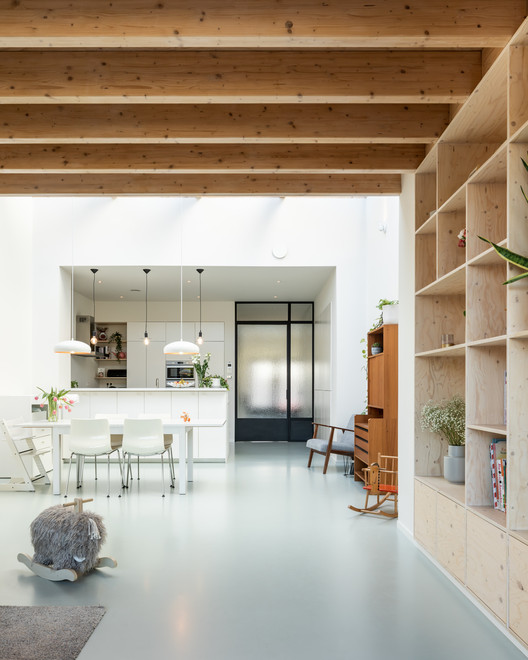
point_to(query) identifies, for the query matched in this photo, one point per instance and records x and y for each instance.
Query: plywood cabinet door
(451, 536)
(487, 557)
(518, 588)
(425, 516)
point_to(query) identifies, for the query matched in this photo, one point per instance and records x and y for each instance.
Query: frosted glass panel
(301, 370)
(262, 312)
(301, 311)
(262, 370)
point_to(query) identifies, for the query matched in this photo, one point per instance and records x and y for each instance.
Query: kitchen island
(210, 444)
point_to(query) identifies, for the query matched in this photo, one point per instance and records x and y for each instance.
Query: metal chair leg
(162, 476)
(95, 465)
(68, 482)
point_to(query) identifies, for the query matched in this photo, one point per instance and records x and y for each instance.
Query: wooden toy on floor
(66, 542)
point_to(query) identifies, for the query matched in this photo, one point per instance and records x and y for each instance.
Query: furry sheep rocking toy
(66, 542)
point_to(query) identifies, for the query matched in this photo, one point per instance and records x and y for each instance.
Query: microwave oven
(177, 370)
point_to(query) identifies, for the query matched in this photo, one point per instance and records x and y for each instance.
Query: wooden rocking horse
(381, 482)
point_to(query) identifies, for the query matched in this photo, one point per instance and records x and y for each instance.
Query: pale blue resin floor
(261, 560)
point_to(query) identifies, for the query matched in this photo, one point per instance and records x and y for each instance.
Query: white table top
(117, 425)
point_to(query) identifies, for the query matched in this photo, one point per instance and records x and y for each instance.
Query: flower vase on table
(57, 401)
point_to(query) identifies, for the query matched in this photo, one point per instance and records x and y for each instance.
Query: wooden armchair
(381, 482)
(342, 445)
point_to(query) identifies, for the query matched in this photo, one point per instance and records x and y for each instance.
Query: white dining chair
(91, 437)
(116, 438)
(144, 437)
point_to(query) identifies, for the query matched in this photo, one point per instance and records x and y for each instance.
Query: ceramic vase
(455, 464)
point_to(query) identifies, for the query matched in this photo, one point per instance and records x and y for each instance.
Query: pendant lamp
(199, 341)
(181, 347)
(72, 346)
(93, 340)
(146, 340)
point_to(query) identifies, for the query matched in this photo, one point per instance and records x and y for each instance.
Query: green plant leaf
(512, 257)
(515, 279)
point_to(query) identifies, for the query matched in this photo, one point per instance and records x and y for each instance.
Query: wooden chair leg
(310, 458)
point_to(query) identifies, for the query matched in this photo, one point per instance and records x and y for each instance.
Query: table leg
(57, 461)
(190, 454)
(181, 466)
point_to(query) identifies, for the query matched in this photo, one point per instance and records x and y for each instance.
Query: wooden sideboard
(377, 430)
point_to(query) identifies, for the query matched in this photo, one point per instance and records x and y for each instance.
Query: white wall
(406, 357)
(16, 294)
(338, 232)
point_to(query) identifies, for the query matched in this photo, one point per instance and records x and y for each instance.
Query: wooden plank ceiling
(282, 97)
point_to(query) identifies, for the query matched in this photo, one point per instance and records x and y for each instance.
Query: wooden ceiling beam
(199, 184)
(226, 77)
(235, 123)
(169, 158)
(260, 23)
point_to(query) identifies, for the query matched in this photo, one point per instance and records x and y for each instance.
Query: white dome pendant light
(181, 347)
(72, 346)
(199, 341)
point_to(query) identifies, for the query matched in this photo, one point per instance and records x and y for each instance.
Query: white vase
(455, 464)
(390, 314)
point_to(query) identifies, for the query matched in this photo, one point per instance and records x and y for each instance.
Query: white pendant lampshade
(181, 347)
(73, 346)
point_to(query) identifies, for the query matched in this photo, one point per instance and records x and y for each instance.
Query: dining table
(182, 429)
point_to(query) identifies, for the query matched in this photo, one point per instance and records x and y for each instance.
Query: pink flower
(54, 398)
(42, 405)
(60, 406)
(36, 398)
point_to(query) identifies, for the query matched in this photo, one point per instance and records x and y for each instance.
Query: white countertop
(148, 389)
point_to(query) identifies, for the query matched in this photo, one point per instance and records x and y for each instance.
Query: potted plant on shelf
(388, 312)
(218, 381)
(376, 348)
(117, 337)
(448, 419)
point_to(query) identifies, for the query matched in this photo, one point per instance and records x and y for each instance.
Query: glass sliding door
(274, 377)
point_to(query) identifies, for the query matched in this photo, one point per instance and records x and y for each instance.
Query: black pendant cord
(146, 271)
(94, 271)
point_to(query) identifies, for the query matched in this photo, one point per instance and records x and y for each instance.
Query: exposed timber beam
(259, 23)
(199, 184)
(236, 123)
(226, 77)
(169, 158)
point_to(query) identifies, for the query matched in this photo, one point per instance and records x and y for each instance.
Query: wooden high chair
(381, 482)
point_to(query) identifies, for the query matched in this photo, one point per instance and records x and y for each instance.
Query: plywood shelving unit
(471, 179)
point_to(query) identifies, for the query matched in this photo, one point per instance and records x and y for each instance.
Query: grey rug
(46, 633)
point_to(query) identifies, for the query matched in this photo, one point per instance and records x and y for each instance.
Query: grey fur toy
(66, 542)
(63, 538)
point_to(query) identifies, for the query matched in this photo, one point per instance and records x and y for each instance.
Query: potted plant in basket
(448, 419)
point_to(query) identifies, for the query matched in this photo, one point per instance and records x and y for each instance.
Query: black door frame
(288, 323)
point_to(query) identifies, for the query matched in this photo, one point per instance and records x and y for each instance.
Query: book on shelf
(498, 472)
(505, 397)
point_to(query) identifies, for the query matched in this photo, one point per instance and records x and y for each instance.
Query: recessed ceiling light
(100, 282)
(275, 296)
(121, 296)
(278, 281)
